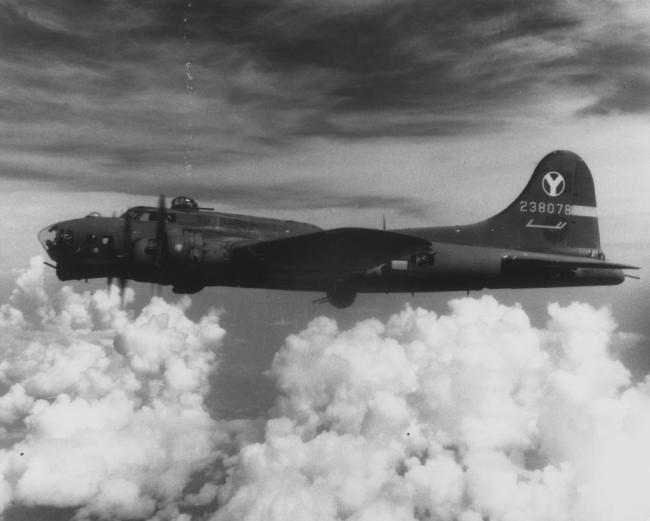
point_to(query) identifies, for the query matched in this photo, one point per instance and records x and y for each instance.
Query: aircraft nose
(47, 237)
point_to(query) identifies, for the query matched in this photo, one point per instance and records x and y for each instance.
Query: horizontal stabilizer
(347, 250)
(551, 261)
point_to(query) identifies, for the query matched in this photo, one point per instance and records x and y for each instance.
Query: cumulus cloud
(472, 415)
(108, 406)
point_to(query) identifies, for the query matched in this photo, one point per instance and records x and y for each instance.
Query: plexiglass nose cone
(47, 237)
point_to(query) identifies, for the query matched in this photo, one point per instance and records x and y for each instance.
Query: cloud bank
(467, 416)
(107, 408)
(470, 415)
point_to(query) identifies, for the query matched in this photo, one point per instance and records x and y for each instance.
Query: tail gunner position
(548, 237)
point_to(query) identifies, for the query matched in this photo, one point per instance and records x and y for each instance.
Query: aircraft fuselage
(547, 237)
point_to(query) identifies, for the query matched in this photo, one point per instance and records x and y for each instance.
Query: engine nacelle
(190, 257)
(341, 296)
(193, 247)
(144, 253)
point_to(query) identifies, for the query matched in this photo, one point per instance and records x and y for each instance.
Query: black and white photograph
(337, 260)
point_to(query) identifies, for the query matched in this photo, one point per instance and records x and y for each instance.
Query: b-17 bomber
(547, 237)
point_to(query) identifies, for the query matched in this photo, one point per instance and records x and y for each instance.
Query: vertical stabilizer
(555, 212)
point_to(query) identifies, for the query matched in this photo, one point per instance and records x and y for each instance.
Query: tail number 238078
(544, 207)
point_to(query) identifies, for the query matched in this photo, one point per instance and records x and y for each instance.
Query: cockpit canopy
(183, 202)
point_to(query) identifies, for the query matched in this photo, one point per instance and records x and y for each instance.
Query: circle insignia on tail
(553, 183)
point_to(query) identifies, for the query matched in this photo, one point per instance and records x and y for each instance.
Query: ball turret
(184, 203)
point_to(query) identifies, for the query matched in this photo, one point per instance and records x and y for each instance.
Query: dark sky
(99, 94)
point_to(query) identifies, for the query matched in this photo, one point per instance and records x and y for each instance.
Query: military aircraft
(548, 237)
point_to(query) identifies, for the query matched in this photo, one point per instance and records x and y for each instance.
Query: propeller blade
(126, 239)
(122, 283)
(162, 215)
(109, 281)
(127, 255)
(161, 231)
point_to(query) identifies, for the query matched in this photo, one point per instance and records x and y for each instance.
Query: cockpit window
(154, 216)
(139, 213)
(133, 213)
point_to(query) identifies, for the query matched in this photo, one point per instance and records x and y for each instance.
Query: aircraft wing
(348, 250)
(525, 260)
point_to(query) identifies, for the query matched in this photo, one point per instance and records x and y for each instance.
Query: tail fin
(556, 212)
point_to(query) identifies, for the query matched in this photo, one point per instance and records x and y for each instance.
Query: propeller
(155, 289)
(127, 247)
(122, 283)
(127, 254)
(161, 232)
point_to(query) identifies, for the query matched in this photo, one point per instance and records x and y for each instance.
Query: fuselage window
(107, 240)
(91, 238)
(423, 259)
